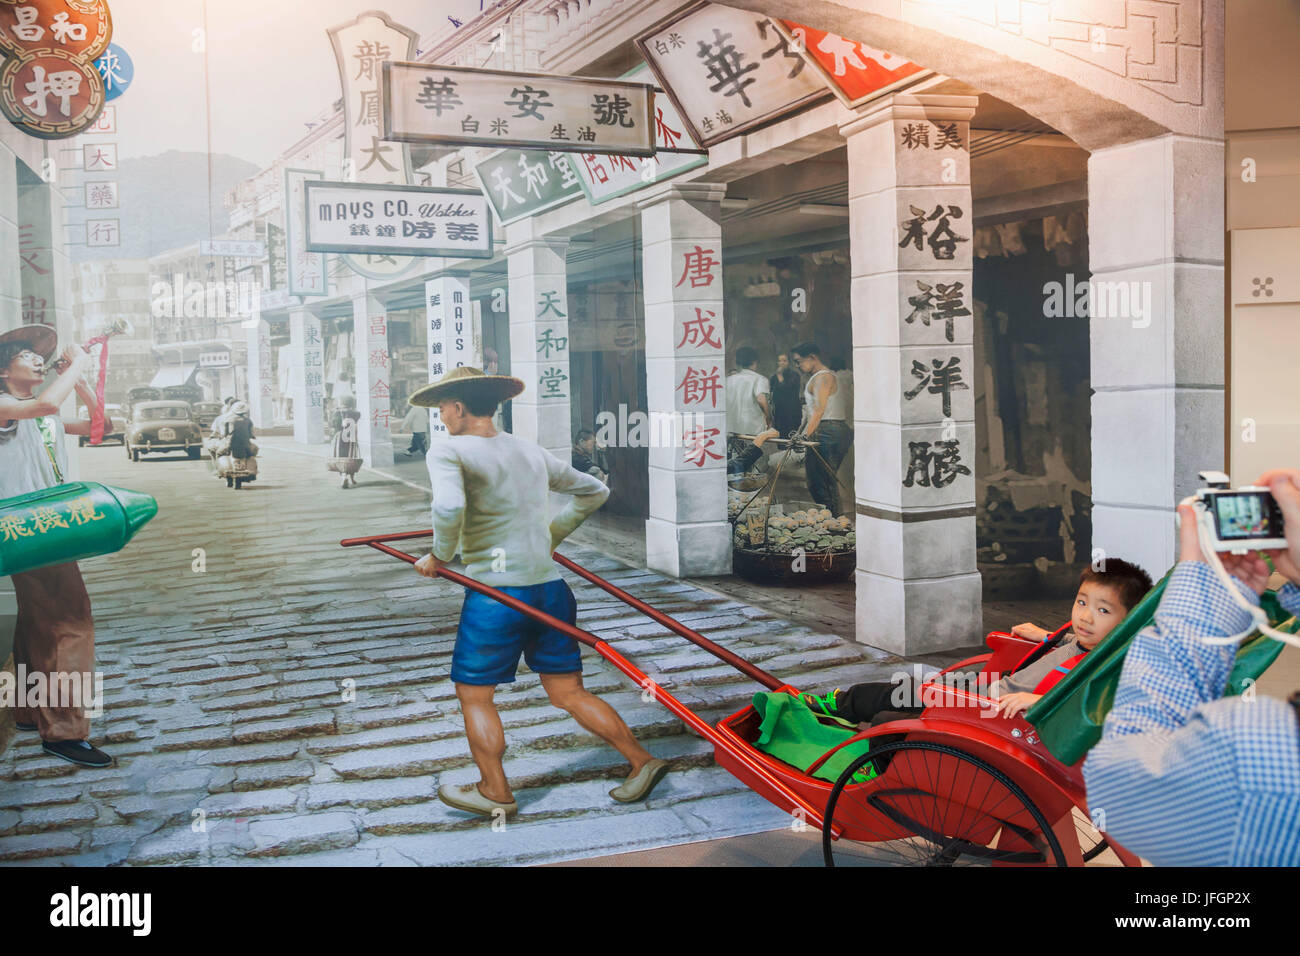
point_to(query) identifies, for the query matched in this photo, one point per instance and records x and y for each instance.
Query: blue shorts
(491, 637)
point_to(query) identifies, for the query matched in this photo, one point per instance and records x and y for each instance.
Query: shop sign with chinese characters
(607, 177)
(728, 71)
(407, 220)
(361, 47)
(49, 86)
(855, 72)
(447, 105)
(521, 182)
(239, 248)
(306, 268)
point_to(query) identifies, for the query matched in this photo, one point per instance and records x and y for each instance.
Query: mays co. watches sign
(403, 220)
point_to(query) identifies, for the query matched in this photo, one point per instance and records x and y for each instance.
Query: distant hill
(163, 203)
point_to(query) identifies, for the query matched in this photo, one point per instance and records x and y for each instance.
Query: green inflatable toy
(70, 522)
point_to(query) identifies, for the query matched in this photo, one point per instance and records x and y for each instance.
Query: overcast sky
(272, 68)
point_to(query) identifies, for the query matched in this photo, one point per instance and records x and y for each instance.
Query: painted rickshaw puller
(491, 503)
(54, 634)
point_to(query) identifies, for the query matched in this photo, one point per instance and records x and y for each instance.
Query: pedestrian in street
(55, 633)
(786, 401)
(491, 504)
(748, 411)
(587, 457)
(825, 423)
(416, 423)
(347, 450)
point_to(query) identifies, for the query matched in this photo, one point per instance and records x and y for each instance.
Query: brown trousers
(54, 634)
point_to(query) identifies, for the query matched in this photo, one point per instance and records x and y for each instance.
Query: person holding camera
(1182, 775)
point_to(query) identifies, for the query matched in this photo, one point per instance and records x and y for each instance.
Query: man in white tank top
(826, 415)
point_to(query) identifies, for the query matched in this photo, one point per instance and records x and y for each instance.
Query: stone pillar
(918, 589)
(1155, 247)
(539, 337)
(261, 385)
(687, 532)
(307, 353)
(373, 368)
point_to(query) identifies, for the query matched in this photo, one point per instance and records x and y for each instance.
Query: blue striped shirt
(1183, 776)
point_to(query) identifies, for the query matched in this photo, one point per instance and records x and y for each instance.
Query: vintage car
(161, 427)
(117, 416)
(205, 413)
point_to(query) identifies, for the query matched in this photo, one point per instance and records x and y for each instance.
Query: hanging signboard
(239, 248)
(447, 105)
(81, 29)
(728, 71)
(854, 72)
(607, 177)
(306, 268)
(521, 182)
(361, 47)
(407, 220)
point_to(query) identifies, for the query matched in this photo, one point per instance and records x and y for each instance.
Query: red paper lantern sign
(51, 93)
(80, 27)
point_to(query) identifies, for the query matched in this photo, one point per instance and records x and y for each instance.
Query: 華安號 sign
(728, 71)
(424, 103)
(405, 220)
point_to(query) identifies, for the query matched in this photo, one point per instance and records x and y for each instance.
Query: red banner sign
(854, 71)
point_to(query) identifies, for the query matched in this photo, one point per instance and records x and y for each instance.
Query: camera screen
(1243, 516)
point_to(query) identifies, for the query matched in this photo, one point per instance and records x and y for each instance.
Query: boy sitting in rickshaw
(1104, 597)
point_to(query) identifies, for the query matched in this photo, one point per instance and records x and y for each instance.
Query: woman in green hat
(55, 634)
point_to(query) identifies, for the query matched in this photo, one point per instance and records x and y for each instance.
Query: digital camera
(1242, 519)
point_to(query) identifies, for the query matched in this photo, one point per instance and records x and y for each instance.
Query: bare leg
(487, 739)
(594, 715)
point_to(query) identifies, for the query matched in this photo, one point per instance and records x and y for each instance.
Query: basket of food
(806, 546)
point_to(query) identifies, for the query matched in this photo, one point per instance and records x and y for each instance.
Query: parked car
(205, 413)
(161, 427)
(118, 417)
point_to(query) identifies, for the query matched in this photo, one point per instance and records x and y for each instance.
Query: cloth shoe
(469, 798)
(79, 752)
(638, 785)
(22, 726)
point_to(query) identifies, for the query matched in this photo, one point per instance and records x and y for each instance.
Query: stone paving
(288, 701)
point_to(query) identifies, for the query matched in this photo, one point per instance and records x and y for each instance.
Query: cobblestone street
(225, 695)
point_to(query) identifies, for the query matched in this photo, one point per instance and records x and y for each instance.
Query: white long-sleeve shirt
(491, 504)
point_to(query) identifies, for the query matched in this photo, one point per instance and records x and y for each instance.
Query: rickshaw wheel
(959, 809)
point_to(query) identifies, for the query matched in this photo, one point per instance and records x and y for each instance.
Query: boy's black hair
(806, 350)
(746, 356)
(481, 402)
(584, 435)
(1130, 581)
(8, 352)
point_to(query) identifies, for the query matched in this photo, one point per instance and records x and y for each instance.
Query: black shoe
(77, 751)
(22, 726)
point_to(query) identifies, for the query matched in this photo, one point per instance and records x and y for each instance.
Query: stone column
(687, 532)
(307, 353)
(1155, 307)
(918, 589)
(539, 337)
(373, 368)
(261, 385)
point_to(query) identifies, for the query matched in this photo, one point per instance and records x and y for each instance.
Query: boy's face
(26, 369)
(1097, 609)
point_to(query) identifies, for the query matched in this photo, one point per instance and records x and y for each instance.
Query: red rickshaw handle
(813, 815)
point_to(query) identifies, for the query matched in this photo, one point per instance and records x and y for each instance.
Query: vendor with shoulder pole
(55, 634)
(491, 503)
